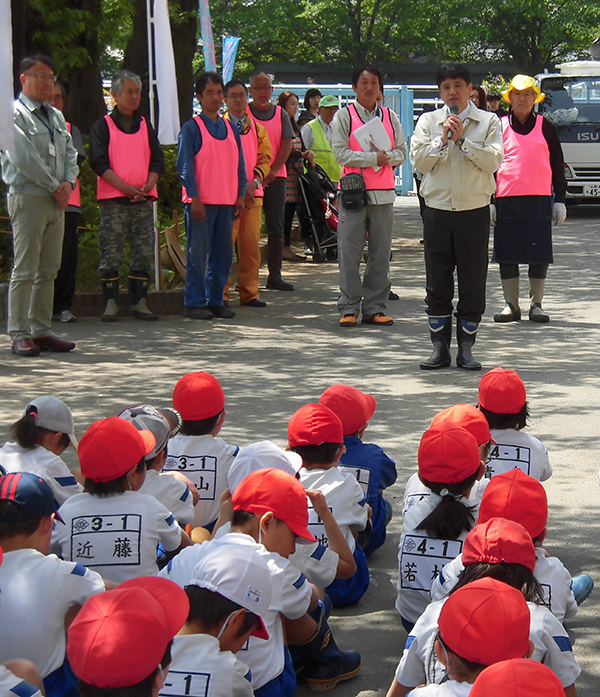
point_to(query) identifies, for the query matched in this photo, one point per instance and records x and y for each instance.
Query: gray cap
(147, 418)
(53, 414)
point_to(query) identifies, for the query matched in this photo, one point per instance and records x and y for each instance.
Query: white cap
(53, 414)
(260, 456)
(146, 418)
(241, 575)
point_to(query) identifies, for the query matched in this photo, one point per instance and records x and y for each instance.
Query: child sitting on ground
(471, 419)
(321, 564)
(316, 434)
(479, 625)
(503, 401)
(40, 593)
(174, 495)
(120, 644)
(503, 550)
(195, 450)
(435, 527)
(112, 528)
(229, 593)
(516, 496)
(271, 506)
(373, 469)
(41, 435)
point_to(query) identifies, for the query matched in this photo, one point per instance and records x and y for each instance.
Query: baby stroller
(320, 216)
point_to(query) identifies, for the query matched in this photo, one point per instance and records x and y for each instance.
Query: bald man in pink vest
(127, 157)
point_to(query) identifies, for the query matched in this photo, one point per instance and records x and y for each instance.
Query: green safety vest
(324, 152)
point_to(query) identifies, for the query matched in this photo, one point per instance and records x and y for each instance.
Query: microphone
(453, 110)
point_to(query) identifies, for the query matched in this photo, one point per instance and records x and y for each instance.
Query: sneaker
(378, 320)
(221, 311)
(196, 312)
(64, 316)
(255, 302)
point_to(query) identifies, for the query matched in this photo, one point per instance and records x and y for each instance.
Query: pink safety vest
(216, 166)
(250, 148)
(525, 169)
(129, 157)
(75, 199)
(384, 178)
(274, 130)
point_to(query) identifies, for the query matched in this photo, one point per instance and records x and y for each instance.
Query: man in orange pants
(246, 229)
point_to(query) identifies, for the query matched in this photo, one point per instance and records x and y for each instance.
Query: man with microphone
(457, 149)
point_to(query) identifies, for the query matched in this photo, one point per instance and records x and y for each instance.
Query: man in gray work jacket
(40, 173)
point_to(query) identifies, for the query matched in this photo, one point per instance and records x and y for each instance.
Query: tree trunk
(136, 53)
(185, 43)
(25, 22)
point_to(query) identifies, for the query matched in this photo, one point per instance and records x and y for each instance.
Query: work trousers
(118, 221)
(64, 285)
(209, 255)
(456, 240)
(38, 228)
(246, 232)
(375, 223)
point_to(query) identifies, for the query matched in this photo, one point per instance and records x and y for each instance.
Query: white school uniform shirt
(549, 572)
(421, 558)
(516, 449)
(117, 536)
(44, 464)
(291, 597)
(451, 688)
(415, 490)
(172, 493)
(12, 686)
(37, 591)
(552, 647)
(345, 498)
(204, 460)
(200, 669)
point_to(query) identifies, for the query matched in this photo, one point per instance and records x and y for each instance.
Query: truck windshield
(571, 100)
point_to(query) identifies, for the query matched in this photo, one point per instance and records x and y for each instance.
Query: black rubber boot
(440, 330)
(324, 664)
(110, 290)
(466, 332)
(138, 289)
(275, 280)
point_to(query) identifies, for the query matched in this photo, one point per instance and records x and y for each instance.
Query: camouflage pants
(118, 221)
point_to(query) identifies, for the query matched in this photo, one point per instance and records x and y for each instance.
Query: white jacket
(457, 178)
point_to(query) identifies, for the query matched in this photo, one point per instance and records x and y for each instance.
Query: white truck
(573, 102)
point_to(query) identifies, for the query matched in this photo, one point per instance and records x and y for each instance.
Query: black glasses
(45, 78)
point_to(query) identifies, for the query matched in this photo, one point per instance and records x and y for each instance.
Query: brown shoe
(25, 347)
(348, 321)
(54, 344)
(378, 319)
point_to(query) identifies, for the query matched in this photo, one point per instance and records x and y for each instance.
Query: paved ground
(272, 361)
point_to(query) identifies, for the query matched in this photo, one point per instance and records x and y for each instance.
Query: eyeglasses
(45, 78)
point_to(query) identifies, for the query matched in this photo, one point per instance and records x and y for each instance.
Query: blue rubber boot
(440, 331)
(582, 586)
(324, 664)
(466, 333)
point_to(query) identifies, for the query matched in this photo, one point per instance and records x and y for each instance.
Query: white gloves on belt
(559, 213)
(493, 215)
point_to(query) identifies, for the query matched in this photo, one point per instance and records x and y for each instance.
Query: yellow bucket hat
(523, 82)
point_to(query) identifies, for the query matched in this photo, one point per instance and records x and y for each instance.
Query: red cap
(502, 391)
(314, 424)
(120, 637)
(516, 496)
(520, 677)
(485, 622)
(274, 491)
(198, 396)
(448, 454)
(499, 540)
(470, 418)
(111, 447)
(353, 407)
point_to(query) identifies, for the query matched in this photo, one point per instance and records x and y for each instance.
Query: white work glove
(492, 215)
(559, 213)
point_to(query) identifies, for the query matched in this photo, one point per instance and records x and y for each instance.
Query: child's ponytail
(452, 516)
(26, 431)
